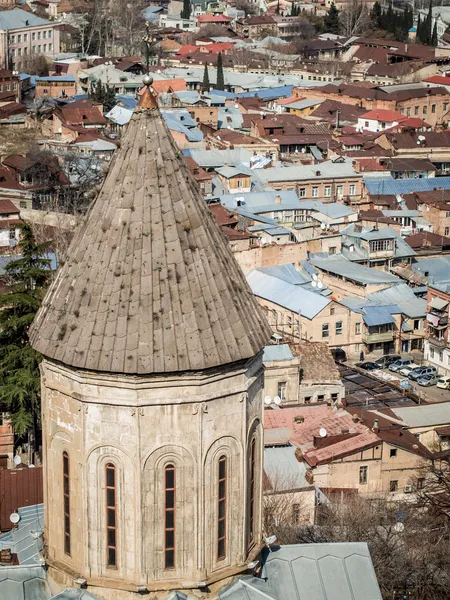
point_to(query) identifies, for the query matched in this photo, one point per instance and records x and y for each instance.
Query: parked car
(428, 380)
(387, 360)
(443, 383)
(405, 371)
(338, 354)
(400, 363)
(368, 366)
(416, 374)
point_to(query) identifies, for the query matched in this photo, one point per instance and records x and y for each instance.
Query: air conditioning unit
(407, 489)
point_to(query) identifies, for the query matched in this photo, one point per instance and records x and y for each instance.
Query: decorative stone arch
(126, 510)
(254, 456)
(232, 449)
(186, 511)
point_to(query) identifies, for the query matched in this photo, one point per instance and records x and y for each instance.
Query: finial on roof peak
(148, 97)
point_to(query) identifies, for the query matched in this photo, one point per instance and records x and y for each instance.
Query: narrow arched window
(111, 516)
(66, 495)
(169, 517)
(252, 486)
(222, 508)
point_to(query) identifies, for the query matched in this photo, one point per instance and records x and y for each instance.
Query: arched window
(66, 495)
(222, 509)
(252, 486)
(111, 517)
(169, 517)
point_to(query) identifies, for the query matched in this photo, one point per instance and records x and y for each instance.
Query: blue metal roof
(61, 78)
(389, 185)
(292, 297)
(277, 352)
(339, 265)
(283, 91)
(329, 571)
(378, 315)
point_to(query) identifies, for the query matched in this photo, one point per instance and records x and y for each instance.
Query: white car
(443, 383)
(407, 370)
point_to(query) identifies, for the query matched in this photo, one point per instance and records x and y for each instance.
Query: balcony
(377, 337)
(437, 342)
(437, 318)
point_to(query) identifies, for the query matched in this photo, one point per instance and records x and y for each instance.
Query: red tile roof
(168, 86)
(388, 116)
(8, 208)
(439, 79)
(202, 19)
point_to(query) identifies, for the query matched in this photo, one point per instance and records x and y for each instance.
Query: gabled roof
(149, 285)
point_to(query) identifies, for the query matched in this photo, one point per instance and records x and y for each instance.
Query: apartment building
(22, 34)
(437, 343)
(303, 373)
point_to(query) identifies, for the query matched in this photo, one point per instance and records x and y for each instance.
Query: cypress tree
(205, 84)
(220, 82)
(27, 278)
(419, 29)
(331, 20)
(434, 36)
(427, 30)
(186, 10)
(376, 14)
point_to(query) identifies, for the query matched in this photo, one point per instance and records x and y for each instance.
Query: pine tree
(294, 10)
(277, 10)
(220, 82)
(331, 20)
(434, 36)
(26, 277)
(186, 10)
(205, 85)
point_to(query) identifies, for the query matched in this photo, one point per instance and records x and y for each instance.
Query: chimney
(375, 427)
(278, 199)
(355, 418)
(317, 173)
(406, 47)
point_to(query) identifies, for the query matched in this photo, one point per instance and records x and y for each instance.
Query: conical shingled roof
(150, 284)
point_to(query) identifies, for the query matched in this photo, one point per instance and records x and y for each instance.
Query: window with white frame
(380, 245)
(315, 192)
(352, 191)
(327, 191)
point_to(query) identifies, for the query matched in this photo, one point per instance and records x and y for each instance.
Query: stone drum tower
(152, 386)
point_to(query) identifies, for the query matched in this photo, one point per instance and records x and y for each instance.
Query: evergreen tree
(186, 10)
(205, 85)
(419, 29)
(26, 277)
(376, 14)
(220, 82)
(427, 31)
(277, 10)
(434, 36)
(103, 94)
(331, 20)
(294, 10)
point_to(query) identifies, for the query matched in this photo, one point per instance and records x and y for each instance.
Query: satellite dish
(277, 400)
(267, 400)
(315, 277)
(271, 540)
(17, 460)
(399, 527)
(236, 106)
(322, 432)
(314, 284)
(320, 285)
(304, 150)
(322, 226)
(14, 518)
